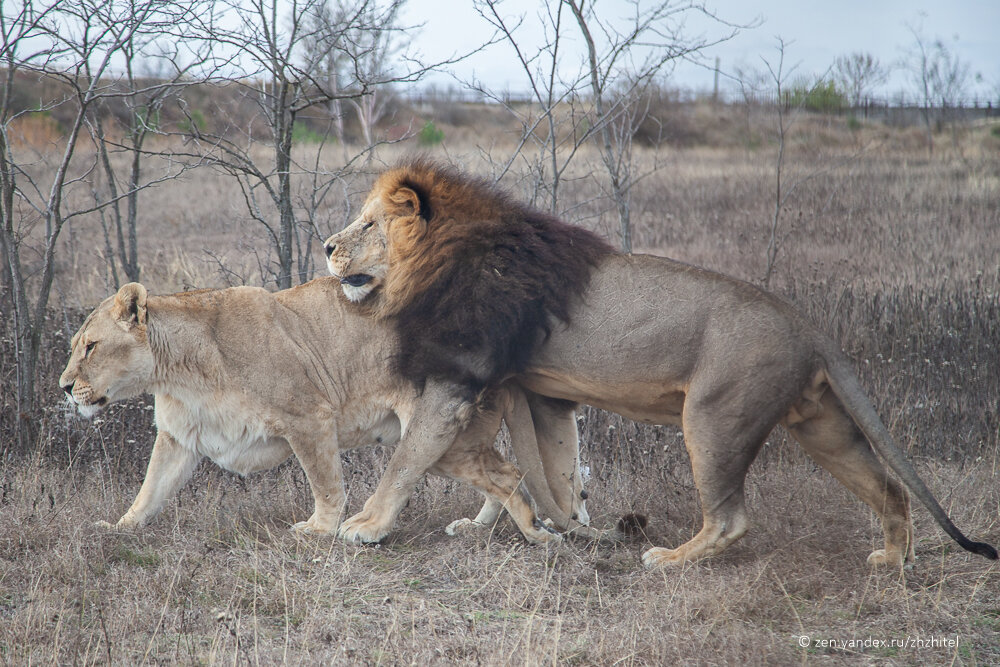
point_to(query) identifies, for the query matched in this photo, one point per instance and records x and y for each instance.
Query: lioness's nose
(330, 247)
(68, 388)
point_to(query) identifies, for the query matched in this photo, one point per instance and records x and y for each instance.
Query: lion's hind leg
(831, 438)
(721, 451)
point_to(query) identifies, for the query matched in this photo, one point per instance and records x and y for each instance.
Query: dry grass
(894, 255)
(219, 579)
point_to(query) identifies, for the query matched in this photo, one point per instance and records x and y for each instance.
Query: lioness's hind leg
(484, 469)
(485, 520)
(833, 440)
(559, 449)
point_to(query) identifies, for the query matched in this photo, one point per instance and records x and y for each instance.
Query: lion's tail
(525, 445)
(848, 389)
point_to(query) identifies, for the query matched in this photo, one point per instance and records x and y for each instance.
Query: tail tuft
(982, 549)
(634, 524)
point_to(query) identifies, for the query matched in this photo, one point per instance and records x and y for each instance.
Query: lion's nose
(330, 248)
(68, 388)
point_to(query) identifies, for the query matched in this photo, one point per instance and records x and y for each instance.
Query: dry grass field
(895, 255)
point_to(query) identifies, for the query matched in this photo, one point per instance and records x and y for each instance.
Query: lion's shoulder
(474, 293)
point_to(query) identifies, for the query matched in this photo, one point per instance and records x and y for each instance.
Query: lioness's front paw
(123, 524)
(363, 528)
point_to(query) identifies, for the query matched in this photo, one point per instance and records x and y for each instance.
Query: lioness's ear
(129, 309)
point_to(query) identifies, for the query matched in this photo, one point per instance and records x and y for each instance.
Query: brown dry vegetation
(896, 256)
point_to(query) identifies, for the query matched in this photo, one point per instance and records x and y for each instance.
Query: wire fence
(895, 110)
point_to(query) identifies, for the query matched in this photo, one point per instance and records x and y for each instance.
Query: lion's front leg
(170, 466)
(437, 418)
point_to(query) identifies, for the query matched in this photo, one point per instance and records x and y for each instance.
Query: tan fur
(663, 342)
(247, 378)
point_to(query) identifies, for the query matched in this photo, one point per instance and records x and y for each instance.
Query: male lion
(247, 378)
(444, 257)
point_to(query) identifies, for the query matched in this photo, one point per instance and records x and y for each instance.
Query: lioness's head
(110, 357)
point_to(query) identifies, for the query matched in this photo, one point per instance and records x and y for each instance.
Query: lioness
(650, 338)
(247, 377)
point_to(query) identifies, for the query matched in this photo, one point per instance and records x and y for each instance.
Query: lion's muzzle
(356, 280)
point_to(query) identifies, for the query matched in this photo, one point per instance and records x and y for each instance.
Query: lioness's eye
(90, 348)
(367, 225)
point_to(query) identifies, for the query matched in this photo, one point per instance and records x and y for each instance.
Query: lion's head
(390, 231)
(357, 255)
(110, 358)
(470, 276)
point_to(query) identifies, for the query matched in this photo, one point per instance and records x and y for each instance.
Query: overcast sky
(818, 32)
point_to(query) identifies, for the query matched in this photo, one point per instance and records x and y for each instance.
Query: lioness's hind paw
(310, 527)
(880, 558)
(464, 527)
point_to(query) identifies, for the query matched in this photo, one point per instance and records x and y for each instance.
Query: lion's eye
(90, 348)
(367, 225)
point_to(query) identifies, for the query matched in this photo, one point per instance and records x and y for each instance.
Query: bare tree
(602, 97)
(779, 75)
(940, 77)
(373, 52)
(60, 43)
(169, 61)
(618, 118)
(277, 47)
(857, 74)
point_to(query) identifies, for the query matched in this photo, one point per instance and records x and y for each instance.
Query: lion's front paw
(542, 536)
(103, 525)
(661, 557)
(364, 528)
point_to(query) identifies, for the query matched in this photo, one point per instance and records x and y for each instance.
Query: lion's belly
(651, 403)
(233, 437)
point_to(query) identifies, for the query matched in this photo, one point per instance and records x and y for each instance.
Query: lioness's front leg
(170, 466)
(437, 419)
(319, 455)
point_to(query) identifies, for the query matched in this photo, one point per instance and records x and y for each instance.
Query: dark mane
(484, 279)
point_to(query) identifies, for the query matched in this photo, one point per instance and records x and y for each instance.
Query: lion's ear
(411, 201)
(129, 309)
